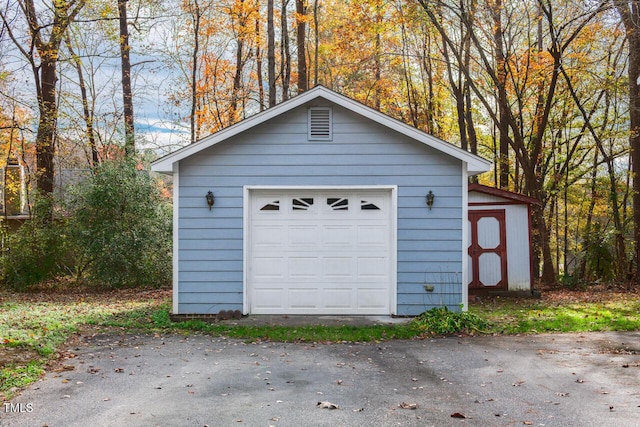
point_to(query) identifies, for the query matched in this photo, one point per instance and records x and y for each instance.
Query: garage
(319, 205)
(320, 251)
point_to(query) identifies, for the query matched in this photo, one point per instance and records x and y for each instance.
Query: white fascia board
(164, 164)
(475, 164)
(323, 187)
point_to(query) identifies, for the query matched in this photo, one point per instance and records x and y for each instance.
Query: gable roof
(509, 195)
(475, 164)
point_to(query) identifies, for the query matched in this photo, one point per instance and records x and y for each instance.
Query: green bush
(442, 321)
(120, 228)
(35, 252)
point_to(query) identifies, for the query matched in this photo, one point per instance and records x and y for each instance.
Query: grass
(33, 328)
(157, 320)
(613, 312)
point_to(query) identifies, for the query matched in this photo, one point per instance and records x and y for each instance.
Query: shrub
(120, 228)
(34, 252)
(442, 321)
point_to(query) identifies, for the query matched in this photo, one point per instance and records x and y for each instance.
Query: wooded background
(547, 89)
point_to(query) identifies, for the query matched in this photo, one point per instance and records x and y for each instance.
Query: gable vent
(320, 126)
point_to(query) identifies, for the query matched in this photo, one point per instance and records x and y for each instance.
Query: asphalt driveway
(143, 380)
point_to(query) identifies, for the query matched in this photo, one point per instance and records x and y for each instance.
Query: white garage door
(320, 252)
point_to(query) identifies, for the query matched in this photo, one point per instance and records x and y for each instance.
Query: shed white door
(320, 252)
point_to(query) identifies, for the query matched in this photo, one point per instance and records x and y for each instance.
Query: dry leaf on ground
(404, 405)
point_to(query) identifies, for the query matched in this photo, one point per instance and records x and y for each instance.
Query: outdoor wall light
(430, 197)
(210, 199)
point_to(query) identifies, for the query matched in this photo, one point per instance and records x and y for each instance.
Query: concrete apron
(236, 318)
(305, 320)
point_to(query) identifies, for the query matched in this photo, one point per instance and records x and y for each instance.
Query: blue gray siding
(278, 153)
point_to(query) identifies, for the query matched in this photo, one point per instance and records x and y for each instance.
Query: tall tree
(196, 16)
(526, 107)
(125, 67)
(42, 53)
(271, 54)
(259, 65)
(285, 51)
(87, 112)
(629, 11)
(301, 31)
(316, 41)
(240, 14)
(496, 10)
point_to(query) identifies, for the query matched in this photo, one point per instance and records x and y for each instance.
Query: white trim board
(475, 164)
(176, 238)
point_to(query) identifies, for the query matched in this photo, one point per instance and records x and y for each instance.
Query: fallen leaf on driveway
(327, 405)
(458, 415)
(408, 405)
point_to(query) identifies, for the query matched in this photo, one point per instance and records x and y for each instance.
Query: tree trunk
(316, 32)
(301, 11)
(45, 138)
(259, 67)
(377, 59)
(271, 54)
(127, 94)
(466, 90)
(503, 106)
(45, 76)
(285, 52)
(582, 267)
(86, 111)
(237, 78)
(630, 13)
(194, 71)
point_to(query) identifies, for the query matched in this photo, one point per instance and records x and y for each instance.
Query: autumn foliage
(542, 88)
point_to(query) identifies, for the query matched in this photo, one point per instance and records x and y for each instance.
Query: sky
(159, 124)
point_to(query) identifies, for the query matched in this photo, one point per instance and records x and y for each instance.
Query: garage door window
(303, 204)
(273, 206)
(338, 203)
(367, 206)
